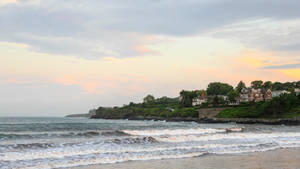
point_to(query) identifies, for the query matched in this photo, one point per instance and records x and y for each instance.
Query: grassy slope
(162, 110)
(248, 112)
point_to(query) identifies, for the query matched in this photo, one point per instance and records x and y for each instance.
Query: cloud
(3, 2)
(119, 28)
(264, 34)
(284, 66)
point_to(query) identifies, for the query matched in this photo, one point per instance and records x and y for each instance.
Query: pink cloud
(143, 49)
(88, 86)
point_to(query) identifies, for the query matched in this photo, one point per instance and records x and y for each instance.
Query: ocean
(42, 143)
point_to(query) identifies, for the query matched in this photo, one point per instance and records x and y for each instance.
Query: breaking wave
(37, 135)
(197, 131)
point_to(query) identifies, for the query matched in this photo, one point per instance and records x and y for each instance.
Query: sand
(276, 159)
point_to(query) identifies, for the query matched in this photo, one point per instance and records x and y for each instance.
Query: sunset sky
(68, 56)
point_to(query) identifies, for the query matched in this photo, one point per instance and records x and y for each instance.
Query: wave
(108, 133)
(137, 140)
(104, 151)
(36, 146)
(197, 131)
(33, 135)
(30, 146)
(115, 133)
(222, 136)
(77, 151)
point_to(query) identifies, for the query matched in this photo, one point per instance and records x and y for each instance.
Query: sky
(60, 57)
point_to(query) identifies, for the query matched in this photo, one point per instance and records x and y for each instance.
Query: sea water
(40, 143)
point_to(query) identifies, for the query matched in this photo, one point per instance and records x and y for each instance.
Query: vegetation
(289, 86)
(240, 86)
(186, 98)
(149, 98)
(284, 106)
(257, 84)
(217, 88)
(232, 95)
(162, 107)
(267, 85)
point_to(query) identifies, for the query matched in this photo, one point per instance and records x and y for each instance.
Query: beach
(276, 159)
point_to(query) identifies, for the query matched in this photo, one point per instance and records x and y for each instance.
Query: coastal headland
(263, 103)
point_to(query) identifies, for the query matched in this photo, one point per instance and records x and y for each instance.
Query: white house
(277, 93)
(244, 96)
(224, 97)
(297, 91)
(198, 101)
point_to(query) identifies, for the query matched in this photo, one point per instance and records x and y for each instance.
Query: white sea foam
(60, 153)
(223, 136)
(196, 131)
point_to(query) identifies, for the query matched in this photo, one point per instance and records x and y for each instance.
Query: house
(257, 95)
(297, 91)
(224, 97)
(180, 98)
(244, 96)
(268, 95)
(199, 100)
(277, 93)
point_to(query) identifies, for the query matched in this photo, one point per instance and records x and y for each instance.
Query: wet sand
(276, 159)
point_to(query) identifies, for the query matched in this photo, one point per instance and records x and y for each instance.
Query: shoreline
(288, 158)
(285, 121)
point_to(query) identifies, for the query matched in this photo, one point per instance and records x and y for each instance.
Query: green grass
(250, 112)
(238, 112)
(293, 114)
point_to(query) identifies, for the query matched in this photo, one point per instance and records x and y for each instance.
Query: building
(277, 93)
(268, 95)
(297, 91)
(199, 100)
(244, 96)
(224, 97)
(257, 95)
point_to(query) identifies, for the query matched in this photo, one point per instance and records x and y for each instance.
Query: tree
(257, 84)
(298, 84)
(277, 86)
(187, 97)
(149, 99)
(240, 86)
(267, 85)
(282, 104)
(215, 101)
(232, 95)
(288, 86)
(217, 88)
(200, 92)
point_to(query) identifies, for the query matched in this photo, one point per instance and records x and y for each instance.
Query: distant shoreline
(286, 121)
